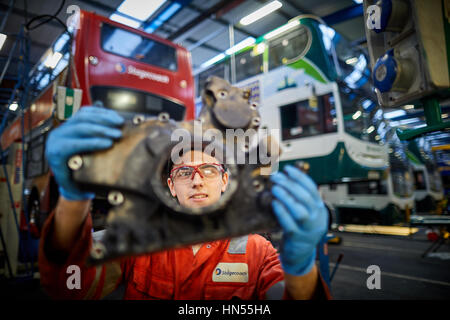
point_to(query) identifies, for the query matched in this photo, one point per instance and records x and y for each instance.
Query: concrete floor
(404, 273)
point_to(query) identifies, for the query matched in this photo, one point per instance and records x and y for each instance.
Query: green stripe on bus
(309, 69)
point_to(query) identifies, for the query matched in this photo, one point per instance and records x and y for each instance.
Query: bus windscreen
(133, 46)
(136, 102)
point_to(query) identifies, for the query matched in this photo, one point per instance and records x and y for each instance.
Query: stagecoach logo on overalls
(230, 272)
(233, 271)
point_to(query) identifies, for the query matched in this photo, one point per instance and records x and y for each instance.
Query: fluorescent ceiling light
(13, 106)
(370, 129)
(393, 114)
(409, 121)
(281, 29)
(260, 13)
(260, 47)
(358, 1)
(356, 115)
(62, 40)
(408, 106)
(2, 40)
(327, 35)
(351, 60)
(170, 11)
(366, 104)
(213, 60)
(52, 60)
(241, 45)
(139, 9)
(126, 21)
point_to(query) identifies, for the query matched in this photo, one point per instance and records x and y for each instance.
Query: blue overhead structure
(165, 15)
(344, 14)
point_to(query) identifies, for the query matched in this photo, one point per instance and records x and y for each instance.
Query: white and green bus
(429, 193)
(296, 80)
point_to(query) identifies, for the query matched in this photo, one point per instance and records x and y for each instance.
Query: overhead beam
(200, 18)
(280, 11)
(225, 22)
(344, 14)
(204, 15)
(204, 45)
(99, 5)
(300, 9)
(30, 15)
(14, 59)
(211, 36)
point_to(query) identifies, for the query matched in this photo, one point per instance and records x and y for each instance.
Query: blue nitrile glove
(303, 217)
(90, 129)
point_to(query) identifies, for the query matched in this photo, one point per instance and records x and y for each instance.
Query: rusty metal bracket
(132, 175)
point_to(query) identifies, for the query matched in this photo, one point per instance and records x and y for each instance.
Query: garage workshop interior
(225, 149)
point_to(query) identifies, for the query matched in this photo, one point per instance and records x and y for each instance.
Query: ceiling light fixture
(126, 21)
(2, 40)
(260, 13)
(52, 60)
(281, 29)
(141, 10)
(241, 45)
(13, 106)
(213, 60)
(351, 60)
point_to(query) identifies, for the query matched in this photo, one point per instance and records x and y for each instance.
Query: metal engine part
(132, 175)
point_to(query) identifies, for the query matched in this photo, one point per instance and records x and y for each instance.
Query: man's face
(195, 192)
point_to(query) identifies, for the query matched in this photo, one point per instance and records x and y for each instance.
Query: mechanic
(247, 267)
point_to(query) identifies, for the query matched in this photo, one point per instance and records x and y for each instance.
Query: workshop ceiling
(191, 25)
(202, 26)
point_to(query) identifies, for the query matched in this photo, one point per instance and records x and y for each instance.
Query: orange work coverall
(245, 268)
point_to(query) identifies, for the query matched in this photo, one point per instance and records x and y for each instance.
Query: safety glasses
(184, 173)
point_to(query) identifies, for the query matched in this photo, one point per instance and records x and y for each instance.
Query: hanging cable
(49, 18)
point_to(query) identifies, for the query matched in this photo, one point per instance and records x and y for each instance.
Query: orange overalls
(244, 268)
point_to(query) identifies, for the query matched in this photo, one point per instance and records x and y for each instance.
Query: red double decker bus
(125, 69)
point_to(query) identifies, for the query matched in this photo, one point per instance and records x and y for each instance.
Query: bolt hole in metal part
(138, 119)
(75, 162)
(256, 121)
(163, 117)
(258, 185)
(115, 198)
(223, 94)
(98, 250)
